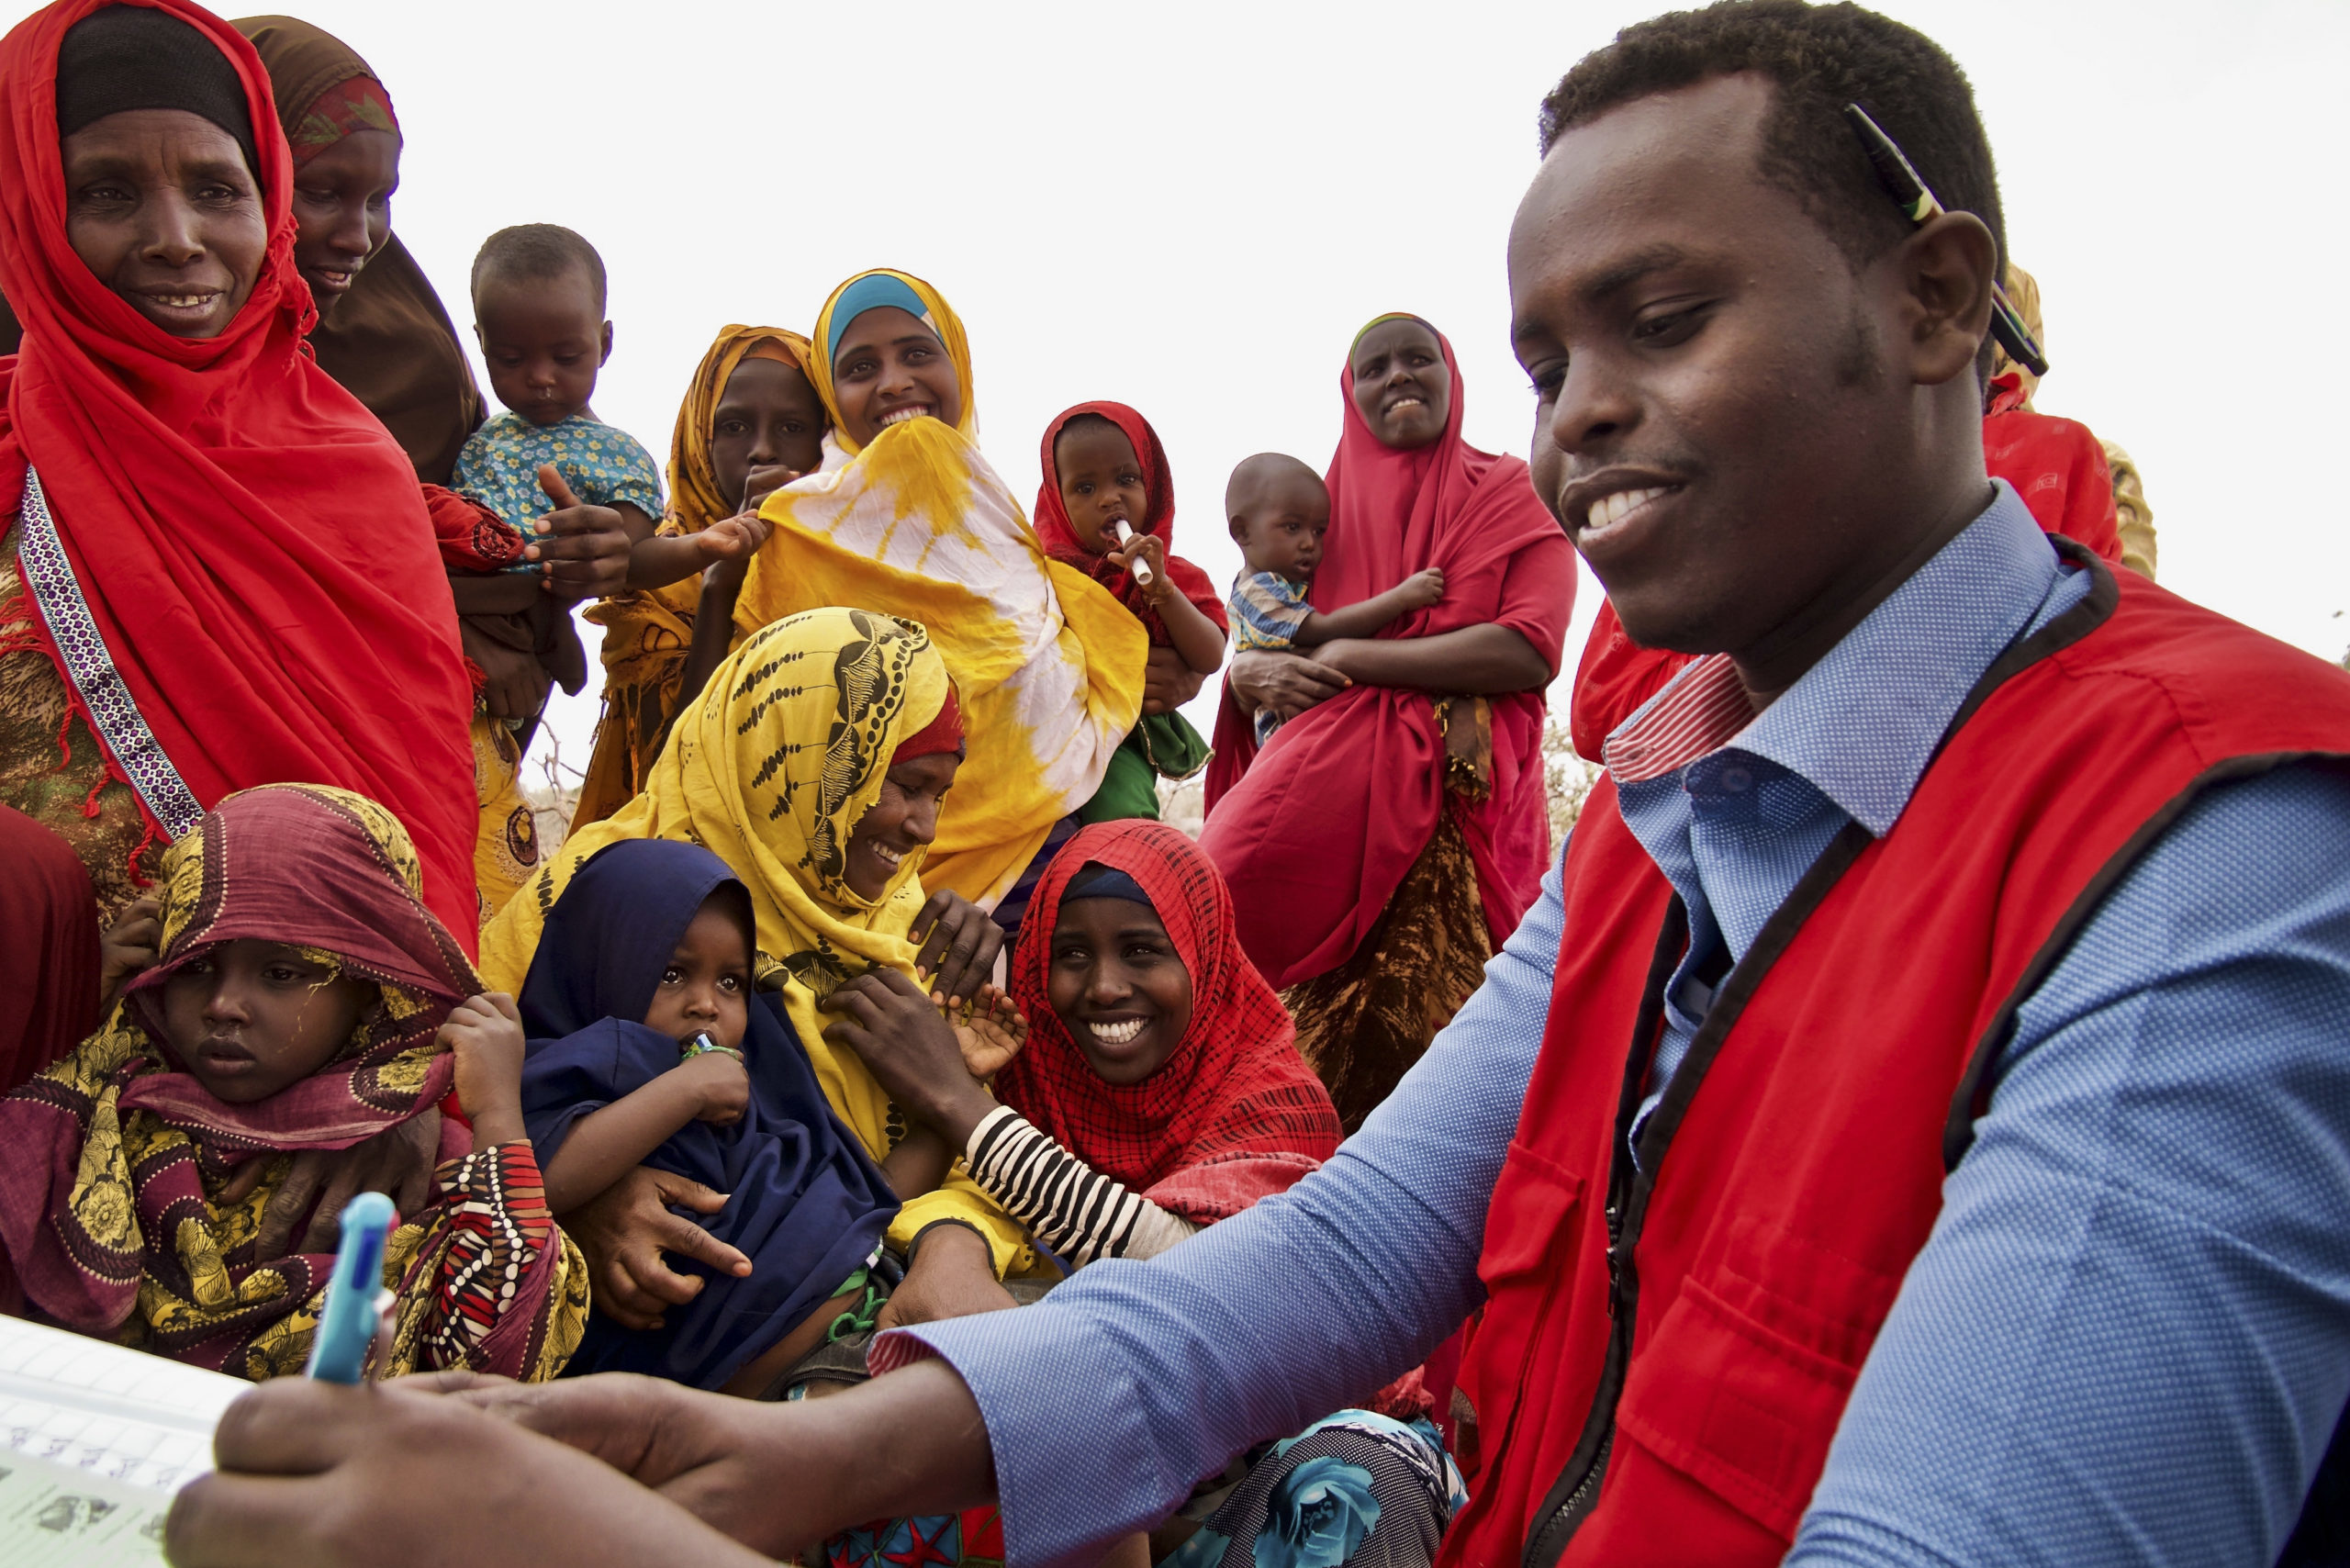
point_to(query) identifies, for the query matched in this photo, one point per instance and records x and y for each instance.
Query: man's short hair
(539, 251)
(1820, 57)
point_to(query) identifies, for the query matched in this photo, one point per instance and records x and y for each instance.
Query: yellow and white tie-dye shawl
(1048, 665)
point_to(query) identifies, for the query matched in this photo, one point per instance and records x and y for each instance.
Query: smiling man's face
(1718, 426)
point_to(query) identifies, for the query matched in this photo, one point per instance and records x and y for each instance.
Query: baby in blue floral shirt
(539, 299)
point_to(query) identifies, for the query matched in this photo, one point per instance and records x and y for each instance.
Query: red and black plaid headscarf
(1234, 1114)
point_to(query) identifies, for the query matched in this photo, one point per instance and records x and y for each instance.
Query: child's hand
(582, 549)
(721, 1082)
(1151, 551)
(1422, 588)
(129, 949)
(735, 538)
(484, 1034)
(765, 481)
(992, 1033)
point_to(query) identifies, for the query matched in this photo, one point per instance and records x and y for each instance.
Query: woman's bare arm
(1479, 660)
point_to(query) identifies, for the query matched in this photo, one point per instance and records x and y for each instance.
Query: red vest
(1669, 1398)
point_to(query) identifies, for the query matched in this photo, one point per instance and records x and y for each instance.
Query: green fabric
(1162, 746)
(859, 1318)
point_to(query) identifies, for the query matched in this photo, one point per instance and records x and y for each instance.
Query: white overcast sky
(1191, 208)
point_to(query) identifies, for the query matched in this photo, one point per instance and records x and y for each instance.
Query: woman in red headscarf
(215, 570)
(1390, 834)
(1160, 1093)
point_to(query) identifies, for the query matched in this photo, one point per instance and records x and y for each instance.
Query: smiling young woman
(908, 517)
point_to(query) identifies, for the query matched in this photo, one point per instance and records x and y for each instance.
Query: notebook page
(120, 1415)
(52, 1515)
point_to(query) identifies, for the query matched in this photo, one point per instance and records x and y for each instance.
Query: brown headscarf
(391, 345)
(388, 341)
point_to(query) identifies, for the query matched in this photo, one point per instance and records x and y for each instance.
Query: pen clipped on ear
(1919, 204)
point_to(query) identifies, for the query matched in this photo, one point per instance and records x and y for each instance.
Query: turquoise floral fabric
(1354, 1488)
(499, 468)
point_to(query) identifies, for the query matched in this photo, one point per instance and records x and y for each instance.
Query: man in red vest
(1914, 1126)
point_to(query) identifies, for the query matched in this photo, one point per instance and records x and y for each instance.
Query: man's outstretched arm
(1089, 1414)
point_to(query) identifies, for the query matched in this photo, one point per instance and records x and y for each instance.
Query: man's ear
(605, 357)
(1946, 273)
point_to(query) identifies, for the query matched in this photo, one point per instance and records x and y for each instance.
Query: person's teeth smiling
(1121, 1033)
(1615, 506)
(890, 858)
(899, 416)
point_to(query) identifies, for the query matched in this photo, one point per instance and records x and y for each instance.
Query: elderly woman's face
(343, 211)
(1402, 384)
(161, 207)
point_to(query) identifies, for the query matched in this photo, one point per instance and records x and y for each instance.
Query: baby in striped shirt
(1279, 509)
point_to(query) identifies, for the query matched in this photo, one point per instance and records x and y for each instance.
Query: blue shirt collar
(1862, 723)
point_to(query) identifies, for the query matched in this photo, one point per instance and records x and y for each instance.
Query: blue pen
(347, 1327)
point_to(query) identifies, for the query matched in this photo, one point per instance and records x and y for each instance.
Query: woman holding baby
(1386, 840)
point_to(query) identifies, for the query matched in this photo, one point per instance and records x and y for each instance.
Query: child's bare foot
(990, 1035)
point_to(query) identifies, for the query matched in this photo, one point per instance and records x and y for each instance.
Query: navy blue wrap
(807, 1206)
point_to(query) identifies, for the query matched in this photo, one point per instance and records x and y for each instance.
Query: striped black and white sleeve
(1071, 1209)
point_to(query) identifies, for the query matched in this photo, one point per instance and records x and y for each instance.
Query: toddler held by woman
(651, 1045)
(1107, 508)
(539, 299)
(1279, 510)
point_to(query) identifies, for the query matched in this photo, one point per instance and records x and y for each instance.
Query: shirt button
(1734, 779)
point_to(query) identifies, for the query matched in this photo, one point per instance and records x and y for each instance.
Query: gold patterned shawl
(110, 1205)
(770, 769)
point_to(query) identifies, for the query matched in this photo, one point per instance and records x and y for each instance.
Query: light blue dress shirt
(2128, 1338)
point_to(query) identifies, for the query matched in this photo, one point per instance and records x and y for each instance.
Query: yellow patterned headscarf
(1048, 664)
(871, 290)
(770, 769)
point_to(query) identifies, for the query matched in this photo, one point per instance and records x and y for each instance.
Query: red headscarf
(1234, 1114)
(1316, 841)
(242, 571)
(1058, 535)
(2056, 465)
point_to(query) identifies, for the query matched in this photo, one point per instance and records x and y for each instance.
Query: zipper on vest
(1575, 1493)
(1615, 1272)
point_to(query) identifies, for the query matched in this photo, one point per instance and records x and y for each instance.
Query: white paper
(94, 1441)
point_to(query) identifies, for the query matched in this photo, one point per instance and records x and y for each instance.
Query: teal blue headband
(874, 291)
